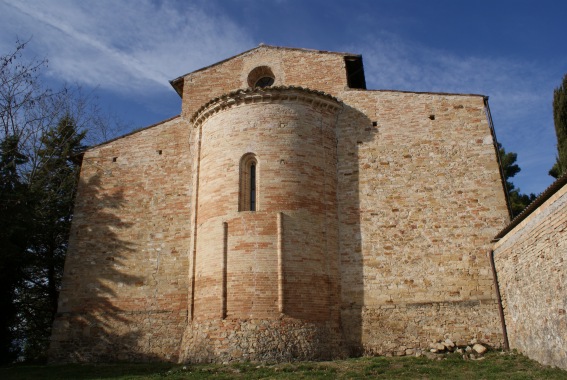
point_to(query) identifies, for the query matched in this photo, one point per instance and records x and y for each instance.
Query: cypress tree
(560, 121)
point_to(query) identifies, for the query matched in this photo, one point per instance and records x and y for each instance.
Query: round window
(261, 76)
(264, 82)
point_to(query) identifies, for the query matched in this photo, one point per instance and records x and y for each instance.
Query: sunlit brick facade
(287, 213)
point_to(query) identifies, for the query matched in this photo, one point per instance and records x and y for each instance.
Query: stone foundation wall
(396, 328)
(114, 335)
(531, 262)
(273, 340)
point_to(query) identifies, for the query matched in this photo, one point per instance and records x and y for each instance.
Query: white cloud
(127, 45)
(134, 47)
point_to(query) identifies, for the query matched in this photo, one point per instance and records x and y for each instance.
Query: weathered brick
(375, 212)
(532, 274)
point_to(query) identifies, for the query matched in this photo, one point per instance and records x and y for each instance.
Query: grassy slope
(495, 365)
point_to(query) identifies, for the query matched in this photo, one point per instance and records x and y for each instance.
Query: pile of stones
(473, 351)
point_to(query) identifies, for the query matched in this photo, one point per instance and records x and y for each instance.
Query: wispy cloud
(133, 47)
(128, 45)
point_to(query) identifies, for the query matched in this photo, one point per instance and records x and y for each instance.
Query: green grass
(495, 365)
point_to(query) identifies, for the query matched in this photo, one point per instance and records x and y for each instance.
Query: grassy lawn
(495, 365)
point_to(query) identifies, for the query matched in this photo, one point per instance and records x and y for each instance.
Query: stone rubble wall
(265, 340)
(531, 262)
(395, 329)
(114, 334)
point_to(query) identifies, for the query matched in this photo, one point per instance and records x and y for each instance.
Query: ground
(494, 365)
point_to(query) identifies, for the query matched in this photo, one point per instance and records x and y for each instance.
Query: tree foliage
(52, 190)
(13, 241)
(560, 121)
(40, 130)
(518, 201)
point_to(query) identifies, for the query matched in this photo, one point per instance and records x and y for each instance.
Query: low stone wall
(405, 329)
(139, 336)
(531, 264)
(275, 340)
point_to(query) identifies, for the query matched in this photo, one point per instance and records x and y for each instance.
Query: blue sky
(127, 51)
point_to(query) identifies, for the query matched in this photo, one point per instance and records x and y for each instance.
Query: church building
(287, 213)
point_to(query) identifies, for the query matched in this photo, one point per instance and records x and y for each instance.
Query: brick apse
(286, 213)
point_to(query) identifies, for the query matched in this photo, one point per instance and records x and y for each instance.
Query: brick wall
(276, 266)
(366, 239)
(420, 199)
(124, 292)
(291, 67)
(531, 265)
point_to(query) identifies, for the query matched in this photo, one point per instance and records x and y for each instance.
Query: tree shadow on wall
(355, 130)
(92, 323)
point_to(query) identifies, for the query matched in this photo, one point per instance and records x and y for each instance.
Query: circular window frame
(261, 74)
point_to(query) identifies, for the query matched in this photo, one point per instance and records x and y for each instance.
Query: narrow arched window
(253, 187)
(248, 194)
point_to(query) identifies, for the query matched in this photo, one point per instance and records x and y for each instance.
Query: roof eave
(177, 85)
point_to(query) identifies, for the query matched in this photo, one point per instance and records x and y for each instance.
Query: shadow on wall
(355, 130)
(92, 323)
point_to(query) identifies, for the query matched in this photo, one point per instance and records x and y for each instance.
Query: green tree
(560, 121)
(21, 122)
(13, 242)
(52, 189)
(39, 130)
(518, 201)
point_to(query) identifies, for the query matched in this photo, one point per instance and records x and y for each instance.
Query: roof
(177, 83)
(547, 193)
(125, 135)
(271, 92)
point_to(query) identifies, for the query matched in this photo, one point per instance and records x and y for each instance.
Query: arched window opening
(253, 187)
(261, 76)
(248, 183)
